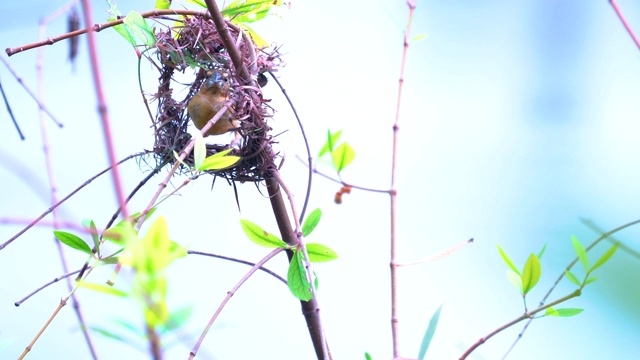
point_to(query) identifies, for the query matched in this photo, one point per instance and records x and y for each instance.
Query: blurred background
(519, 121)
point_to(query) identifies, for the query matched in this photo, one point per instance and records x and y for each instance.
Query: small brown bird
(208, 101)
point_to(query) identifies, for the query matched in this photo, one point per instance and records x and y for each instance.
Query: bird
(208, 101)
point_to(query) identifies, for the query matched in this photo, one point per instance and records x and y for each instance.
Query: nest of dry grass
(197, 47)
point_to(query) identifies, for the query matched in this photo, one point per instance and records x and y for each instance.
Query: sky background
(518, 120)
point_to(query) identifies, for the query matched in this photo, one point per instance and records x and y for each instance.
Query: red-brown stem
(51, 173)
(393, 193)
(625, 23)
(102, 109)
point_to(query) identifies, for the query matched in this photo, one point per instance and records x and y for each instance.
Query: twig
(230, 293)
(528, 315)
(48, 211)
(270, 272)
(344, 183)
(437, 256)
(562, 275)
(306, 144)
(28, 90)
(625, 23)
(393, 192)
(13, 118)
(19, 302)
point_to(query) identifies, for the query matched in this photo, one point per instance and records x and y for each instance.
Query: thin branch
(13, 118)
(625, 23)
(528, 315)
(437, 256)
(19, 302)
(48, 211)
(562, 275)
(393, 192)
(306, 144)
(344, 183)
(230, 293)
(270, 272)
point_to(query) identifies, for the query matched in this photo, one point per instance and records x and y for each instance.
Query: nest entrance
(196, 46)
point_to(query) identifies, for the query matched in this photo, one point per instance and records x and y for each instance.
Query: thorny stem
(393, 193)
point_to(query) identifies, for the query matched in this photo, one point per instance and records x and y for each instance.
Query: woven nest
(197, 47)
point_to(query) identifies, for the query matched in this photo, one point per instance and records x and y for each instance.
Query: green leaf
(530, 273)
(572, 278)
(241, 11)
(91, 226)
(342, 156)
(311, 222)
(507, 260)
(564, 312)
(367, 356)
(139, 26)
(199, 150)
(219, 161)
(428, 335)
(332, 139)
(111, 260)
(580, 251)
(551, 312)
(108, 334)
(320, 253)
(419, 37)
(605, 257)
(544, 248)
(163, 4)
(103, 289)
(297, 278)
(198, 2)
(590, 280)
(261, 237)
(178, 318)
(73, 241)
(515, 279)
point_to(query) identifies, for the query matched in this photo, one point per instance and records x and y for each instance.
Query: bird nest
(195, 46)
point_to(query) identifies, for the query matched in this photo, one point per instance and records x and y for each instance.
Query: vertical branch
(310, 308)
(393, 193)
(102, 109)
(50, 170)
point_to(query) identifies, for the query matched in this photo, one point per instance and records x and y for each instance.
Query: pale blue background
(518, 119)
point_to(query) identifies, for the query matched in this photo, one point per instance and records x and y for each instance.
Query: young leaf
(342, 156)
(103, 289)
(530, 273)
(572, 278)
(551, 312)
(73, 241)
(367, 356)
(219, 161)
(320, 253)
(199, 151)
(428, 335)
(580, 251)
(139, 26)
(542, 251)
(590, 280)
(297, 278)
(311, 222)
(332, 139)
(163, 4)
(507, 260)
(91, 226)
(567, 312)
(605, 257)
(261, 237)
(515, 279)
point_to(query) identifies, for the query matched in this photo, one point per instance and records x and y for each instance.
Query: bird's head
(217, 80)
